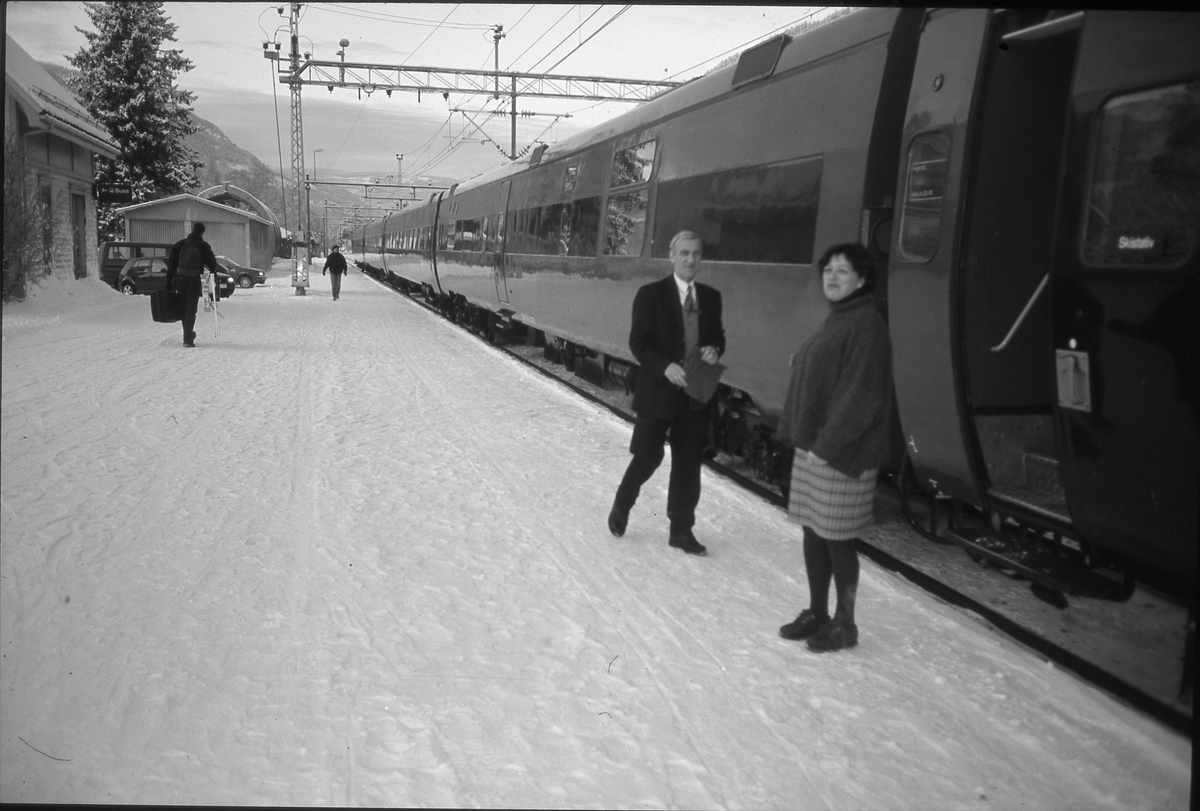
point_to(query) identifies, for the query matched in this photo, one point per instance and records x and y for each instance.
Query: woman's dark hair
(858, 257)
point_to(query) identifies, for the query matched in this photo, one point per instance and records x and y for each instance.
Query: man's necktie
(688, 304)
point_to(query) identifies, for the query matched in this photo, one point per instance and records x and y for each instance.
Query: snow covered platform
(346, 553)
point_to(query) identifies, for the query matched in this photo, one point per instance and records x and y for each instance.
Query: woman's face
(840, 279)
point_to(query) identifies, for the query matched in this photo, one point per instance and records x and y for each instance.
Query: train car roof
(811, 46)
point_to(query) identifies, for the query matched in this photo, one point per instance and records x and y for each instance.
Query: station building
(50, 140)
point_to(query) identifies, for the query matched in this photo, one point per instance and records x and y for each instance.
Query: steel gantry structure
(368, 78)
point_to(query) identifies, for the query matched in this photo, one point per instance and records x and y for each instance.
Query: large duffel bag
(165, 306)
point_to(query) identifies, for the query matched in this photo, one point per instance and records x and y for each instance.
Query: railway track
(1136, 671)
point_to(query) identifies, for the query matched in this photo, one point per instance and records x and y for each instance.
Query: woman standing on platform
(837, 415)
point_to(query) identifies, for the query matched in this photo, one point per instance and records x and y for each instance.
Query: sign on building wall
(114, 193)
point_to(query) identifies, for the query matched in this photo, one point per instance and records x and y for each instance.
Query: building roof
(193, 198)
(49, 105)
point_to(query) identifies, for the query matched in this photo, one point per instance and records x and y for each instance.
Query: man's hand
(676, 375)
(709, 354)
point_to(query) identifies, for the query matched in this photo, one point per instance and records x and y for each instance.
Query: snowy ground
(345, 553)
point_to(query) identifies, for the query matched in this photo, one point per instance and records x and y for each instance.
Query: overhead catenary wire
(589, 39)
(335, 8)
(279, 141)
(539, 39)
(434, 31)
(564, 39)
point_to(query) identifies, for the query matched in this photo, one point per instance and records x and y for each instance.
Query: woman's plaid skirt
(832, 504)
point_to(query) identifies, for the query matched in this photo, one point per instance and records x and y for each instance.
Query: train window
(470, 235)
(580, 226)
(547, 237)
(632, 165)
(924, 196)
(625, 225)
(1143, 200)
(754, 214)
(569, 180)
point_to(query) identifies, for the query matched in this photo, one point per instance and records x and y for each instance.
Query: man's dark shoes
(834, 635)
(687, 542)
(618, 519)
(189, 339)
(804, 626)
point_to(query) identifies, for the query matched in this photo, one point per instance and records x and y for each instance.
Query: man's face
(685, 256)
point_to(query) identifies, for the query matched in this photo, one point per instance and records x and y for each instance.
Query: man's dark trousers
(688, 433)
(188, 290)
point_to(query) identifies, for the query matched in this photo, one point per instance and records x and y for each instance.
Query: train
(1028, 182)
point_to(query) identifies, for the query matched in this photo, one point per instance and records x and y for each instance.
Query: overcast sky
(237, 89)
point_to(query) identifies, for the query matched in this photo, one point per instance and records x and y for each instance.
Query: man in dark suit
(674, 320)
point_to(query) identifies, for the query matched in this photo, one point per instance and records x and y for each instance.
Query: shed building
(244, 237)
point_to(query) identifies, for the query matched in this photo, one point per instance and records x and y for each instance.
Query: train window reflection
(557, 229)
(924, 196)
(632, 165)
(625, 225)
(755, 214)
(1143, 203)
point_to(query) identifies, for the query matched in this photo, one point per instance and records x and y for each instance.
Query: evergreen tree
(127, 81)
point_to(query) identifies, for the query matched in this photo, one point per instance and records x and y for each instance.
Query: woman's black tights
(831, 560)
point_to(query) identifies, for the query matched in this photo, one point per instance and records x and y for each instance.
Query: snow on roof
(176, 197)
(51, 106)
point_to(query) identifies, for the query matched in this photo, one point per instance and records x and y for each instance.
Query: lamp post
(308, 201)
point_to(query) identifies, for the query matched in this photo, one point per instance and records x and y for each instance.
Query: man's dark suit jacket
(656, 340)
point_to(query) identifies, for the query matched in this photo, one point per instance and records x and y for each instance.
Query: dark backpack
(191, 258)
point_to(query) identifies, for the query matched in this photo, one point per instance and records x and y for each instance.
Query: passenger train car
(1029, 182)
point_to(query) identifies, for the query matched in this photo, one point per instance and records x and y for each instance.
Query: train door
(498, 253)
(922, 282)
(435, 239)
(1012, 192)
(1126, 304)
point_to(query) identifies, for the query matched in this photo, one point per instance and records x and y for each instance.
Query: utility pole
(299, 254)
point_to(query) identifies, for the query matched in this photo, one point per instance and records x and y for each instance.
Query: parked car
(244, 277)
(149, 273)
(115, 255)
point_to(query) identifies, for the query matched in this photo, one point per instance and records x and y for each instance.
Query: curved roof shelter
(227, 193)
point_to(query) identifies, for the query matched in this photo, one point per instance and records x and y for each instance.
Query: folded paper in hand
(702, 378)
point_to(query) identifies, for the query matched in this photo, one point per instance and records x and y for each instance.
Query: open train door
(922, 284)
(979, 195)
(1126, 306)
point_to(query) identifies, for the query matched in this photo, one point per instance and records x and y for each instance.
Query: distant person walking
(336, 265)
(189, 257)
(676, 333)
(837, 415)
